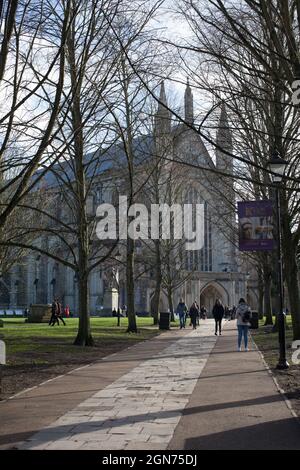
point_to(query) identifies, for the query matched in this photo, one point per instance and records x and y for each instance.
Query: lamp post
(277, 166)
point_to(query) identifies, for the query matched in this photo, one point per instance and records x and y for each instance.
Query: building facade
(205, 275)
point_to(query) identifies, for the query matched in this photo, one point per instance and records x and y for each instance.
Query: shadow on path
(89, 426)
(274, 435)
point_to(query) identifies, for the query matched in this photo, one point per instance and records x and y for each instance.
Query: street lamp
(277, 166)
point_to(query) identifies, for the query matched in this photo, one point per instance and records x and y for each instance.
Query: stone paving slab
(140, 409)
(236, 405)
(182, 390)
(34, 409)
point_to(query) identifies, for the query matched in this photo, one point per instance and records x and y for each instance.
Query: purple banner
(256, 226)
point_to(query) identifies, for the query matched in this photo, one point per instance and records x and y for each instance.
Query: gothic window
(98, 196)
(200, 260)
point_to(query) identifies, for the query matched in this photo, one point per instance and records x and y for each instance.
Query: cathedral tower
(188, 104)
(226, 194)
(162, 117)
(224, 142)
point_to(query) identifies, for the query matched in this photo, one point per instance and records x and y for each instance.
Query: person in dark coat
(203, 313)
(227, 313)
(194, 315)
(218, 314)
(233, 312)
(198, 316)
(54, 309)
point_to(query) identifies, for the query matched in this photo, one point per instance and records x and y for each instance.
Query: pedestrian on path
(203, 312)
(54, 308)
(233, 312)
(181, 311)
(194, 315)
(243, 317)
(227, 313)
(218, 314)
(59, 313)
(198, 316)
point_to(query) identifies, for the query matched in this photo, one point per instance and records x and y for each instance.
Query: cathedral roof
(97, 163)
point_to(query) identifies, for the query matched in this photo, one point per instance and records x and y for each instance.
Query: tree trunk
(130, 287)
(261, 300)
(291, 274)
(170, 301)
(267, 295)
(289, 251)
(84, 337)
(158, 279)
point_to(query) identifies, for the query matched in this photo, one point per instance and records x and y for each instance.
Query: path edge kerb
(279, 388)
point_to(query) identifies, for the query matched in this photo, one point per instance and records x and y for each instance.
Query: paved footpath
(180, 390)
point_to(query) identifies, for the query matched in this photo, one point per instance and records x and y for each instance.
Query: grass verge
(289, 380)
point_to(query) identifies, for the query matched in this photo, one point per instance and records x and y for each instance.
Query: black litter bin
(254, 320)
(164, 320)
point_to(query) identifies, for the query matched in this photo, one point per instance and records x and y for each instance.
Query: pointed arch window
(200, 260)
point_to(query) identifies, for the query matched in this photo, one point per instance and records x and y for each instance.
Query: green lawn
(37, 352)
(268, 343)
(20, 336)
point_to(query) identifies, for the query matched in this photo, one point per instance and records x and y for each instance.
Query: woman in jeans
(243, 317)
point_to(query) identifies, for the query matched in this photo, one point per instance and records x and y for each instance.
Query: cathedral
(212, 272)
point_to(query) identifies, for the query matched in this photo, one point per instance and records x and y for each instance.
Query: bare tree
(252, 77)
(27, 119)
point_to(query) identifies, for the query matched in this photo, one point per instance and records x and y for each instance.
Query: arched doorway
(210, 293)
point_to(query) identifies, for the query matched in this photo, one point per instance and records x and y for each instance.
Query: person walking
(203, 313)
(243, 316)
(59, 313)
(218, 314)
(233, 311)
(198, 316)
(181, 311)
(227, 313)
(54, 309)
(194, 315)
(67, 311)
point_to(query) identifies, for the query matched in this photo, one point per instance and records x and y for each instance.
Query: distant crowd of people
(242, 313)
(57, 313)
(120, 312)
